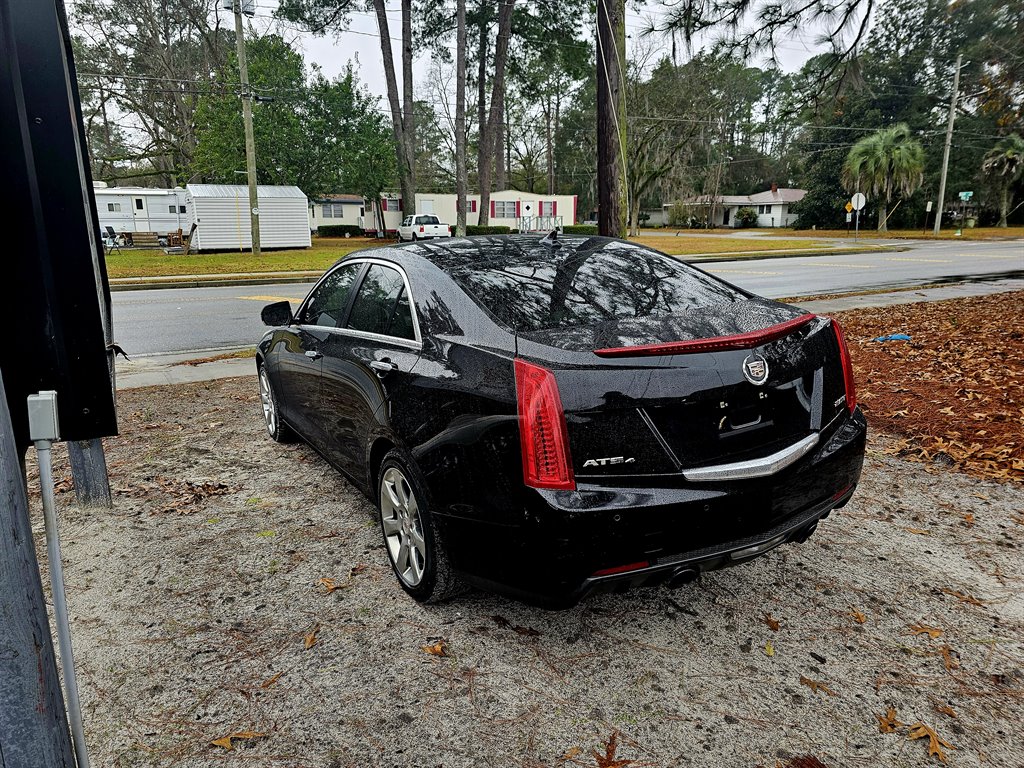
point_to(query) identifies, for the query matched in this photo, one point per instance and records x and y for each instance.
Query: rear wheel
(414, 238)
(411, 538)
(278, 430)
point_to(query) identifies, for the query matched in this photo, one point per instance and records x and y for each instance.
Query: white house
(221, 215)
(336, 209)
(141, 209)
(525, 211)
(772, 207)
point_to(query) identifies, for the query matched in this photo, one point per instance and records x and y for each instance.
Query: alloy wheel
(267, 399)
(403, 527)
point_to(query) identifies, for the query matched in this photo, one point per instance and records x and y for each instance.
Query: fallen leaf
(569, 754)
(440, 648)
(607, 760)
(945, 710)
(962, 597)
(859, 617)
(935, 742)
(357, 569)
(924, 629)
(949, 660)
(769, 649)
(270, 681)
(888, 723)
(969, 519)
(227, 741)
(309, 639)
(773, 624)
(816, 686)
(328, 584)
(527, 631)
(918, 531)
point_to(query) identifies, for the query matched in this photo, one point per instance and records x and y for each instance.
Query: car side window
(328, 300)
(382, 305)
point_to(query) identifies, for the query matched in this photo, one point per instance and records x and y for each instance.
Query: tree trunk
(611, 117)
(406, 178)
(549, 150)
(408, 107)
(1004, 205)
(481, 98)
(500, 178)
(460, 118)
(883, 216)
(493, 131)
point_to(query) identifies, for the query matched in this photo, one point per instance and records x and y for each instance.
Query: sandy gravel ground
(195, 599)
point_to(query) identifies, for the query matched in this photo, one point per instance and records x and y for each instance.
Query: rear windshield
(582, 287)
(427, 220)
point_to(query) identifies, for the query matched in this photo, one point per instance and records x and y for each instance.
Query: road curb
(265, 278)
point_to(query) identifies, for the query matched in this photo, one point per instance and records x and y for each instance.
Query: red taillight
(716, 343)
(423, 229)
(844, 356)
(542, 431)
(621, 569)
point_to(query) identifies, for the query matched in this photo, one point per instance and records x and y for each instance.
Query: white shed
(221, 215)
(141, 209)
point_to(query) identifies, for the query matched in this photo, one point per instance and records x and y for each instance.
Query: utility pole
(949, 141)
(250, 148)
(461, 183)
(611, 118)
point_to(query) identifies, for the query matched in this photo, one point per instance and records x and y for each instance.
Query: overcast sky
(361, 43)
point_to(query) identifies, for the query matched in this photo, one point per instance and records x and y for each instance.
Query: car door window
(382, 305)
(328, 300)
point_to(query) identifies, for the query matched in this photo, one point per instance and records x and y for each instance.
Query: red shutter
(473, 209)
(518, 213)
(554, 207)
(492, 209)
(399, 203)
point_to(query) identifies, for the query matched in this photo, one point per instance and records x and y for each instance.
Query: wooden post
(611, 118)
(33, 724)
(89, 473)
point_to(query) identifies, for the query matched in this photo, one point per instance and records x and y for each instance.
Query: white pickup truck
(422, 226)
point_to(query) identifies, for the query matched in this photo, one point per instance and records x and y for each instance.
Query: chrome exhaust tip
(682, 576)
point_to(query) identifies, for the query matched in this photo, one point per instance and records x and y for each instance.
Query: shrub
(746, 217)
(580, 229)
(339, 230)
(473, 229)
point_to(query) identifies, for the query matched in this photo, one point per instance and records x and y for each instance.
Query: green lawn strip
(156, 263)
(977, 233)
(686, 246)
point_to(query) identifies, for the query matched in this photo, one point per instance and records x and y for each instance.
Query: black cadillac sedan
(546, 417)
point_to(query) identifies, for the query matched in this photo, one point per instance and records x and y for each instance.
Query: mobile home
(141, 209)
(331, 210)
(221, 215)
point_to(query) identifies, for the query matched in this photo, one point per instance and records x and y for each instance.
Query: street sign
(965, 196)
(858, 201)
(928, 207)
(849, 217)
(849, 207)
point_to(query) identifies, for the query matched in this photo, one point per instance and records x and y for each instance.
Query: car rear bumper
(571, 543)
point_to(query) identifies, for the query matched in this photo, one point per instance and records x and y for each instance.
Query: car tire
(414, 238)
(279, 431)
(411, 539)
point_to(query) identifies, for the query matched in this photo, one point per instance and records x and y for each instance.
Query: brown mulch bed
(953, 395)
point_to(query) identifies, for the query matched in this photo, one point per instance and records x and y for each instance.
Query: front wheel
(278, 430)
(413, 544)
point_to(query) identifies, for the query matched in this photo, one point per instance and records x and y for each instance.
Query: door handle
(383, 367)
(313, 354)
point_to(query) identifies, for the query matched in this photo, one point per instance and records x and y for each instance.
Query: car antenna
(551, 239)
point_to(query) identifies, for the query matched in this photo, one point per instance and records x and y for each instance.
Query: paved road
(190, 319)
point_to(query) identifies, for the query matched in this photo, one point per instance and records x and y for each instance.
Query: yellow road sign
(849, 206)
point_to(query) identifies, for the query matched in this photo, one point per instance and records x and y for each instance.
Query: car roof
(456, 253)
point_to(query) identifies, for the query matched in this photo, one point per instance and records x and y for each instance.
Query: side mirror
(277, 314)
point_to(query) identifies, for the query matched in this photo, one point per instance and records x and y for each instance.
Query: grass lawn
(325, 251)
(685, 246)
(978, 233)
(156, 263)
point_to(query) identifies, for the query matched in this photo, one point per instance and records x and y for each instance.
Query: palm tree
(886, 162)
(1003, 166)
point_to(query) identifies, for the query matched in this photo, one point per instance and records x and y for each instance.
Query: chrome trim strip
(741, 470)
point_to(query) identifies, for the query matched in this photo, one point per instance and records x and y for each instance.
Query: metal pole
(250, 148)
(949, 141)
(60, 604)
(33, 724)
